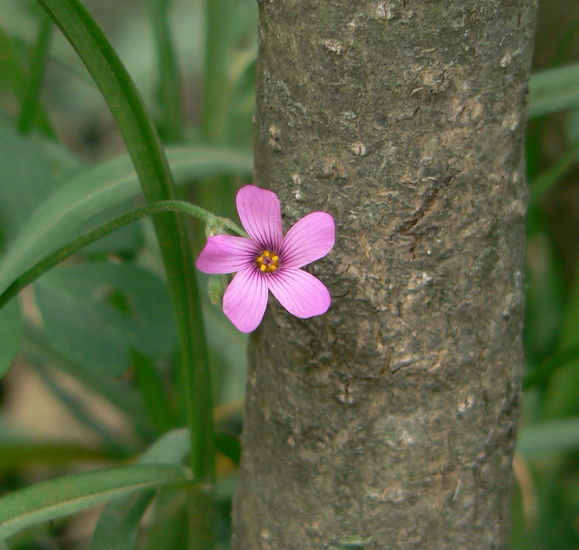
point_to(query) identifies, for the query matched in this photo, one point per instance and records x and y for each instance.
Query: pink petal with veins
(226, 254)
(309, 239)
(260, 215)
(245, 299)
(299, 292)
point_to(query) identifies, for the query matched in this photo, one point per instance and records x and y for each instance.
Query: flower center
(267, 261)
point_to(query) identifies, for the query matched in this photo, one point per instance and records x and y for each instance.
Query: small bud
(215, 226)
(216, 288)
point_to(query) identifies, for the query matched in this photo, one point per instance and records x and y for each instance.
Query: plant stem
(155, 177)
(52, 260)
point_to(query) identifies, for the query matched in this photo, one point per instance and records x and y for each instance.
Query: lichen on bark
(390, 420)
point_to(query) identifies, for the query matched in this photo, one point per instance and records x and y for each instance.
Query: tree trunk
(390, 421)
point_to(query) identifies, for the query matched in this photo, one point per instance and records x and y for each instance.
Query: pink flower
(269, 261)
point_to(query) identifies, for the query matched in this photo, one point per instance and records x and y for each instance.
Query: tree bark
(390, 421)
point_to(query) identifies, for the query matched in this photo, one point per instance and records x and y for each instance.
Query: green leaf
(554, 90)
(69, 494)
(26, 181)
(87, 197)
(152, 387)
(38, 348)
(80, 326)
(118, 524)
(572, 126)
(169, 523)
(549, 437)
(171, 448)
(10, 332)
(19, 452)
(89, 330)
(149, 322)
(127, 239)
(76, 406)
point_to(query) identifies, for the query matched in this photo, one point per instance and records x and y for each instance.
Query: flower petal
(245, 299)
(260, 215)
(302, 294)
(226, 254)
(309, 239)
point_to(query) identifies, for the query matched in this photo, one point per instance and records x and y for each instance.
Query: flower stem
(107, 227)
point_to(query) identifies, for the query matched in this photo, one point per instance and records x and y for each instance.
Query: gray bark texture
(389, 422)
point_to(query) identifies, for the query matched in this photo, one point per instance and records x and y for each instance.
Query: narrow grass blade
(118, 524)
(69, 494)
(169, 83)
(554, 90)
(38, 62)
(19, 453)
(549, 437)
(17, 81)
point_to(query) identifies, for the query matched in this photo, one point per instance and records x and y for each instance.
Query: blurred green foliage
(546, 507)
(104, 321)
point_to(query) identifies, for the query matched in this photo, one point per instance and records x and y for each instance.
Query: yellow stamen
(267, 261)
